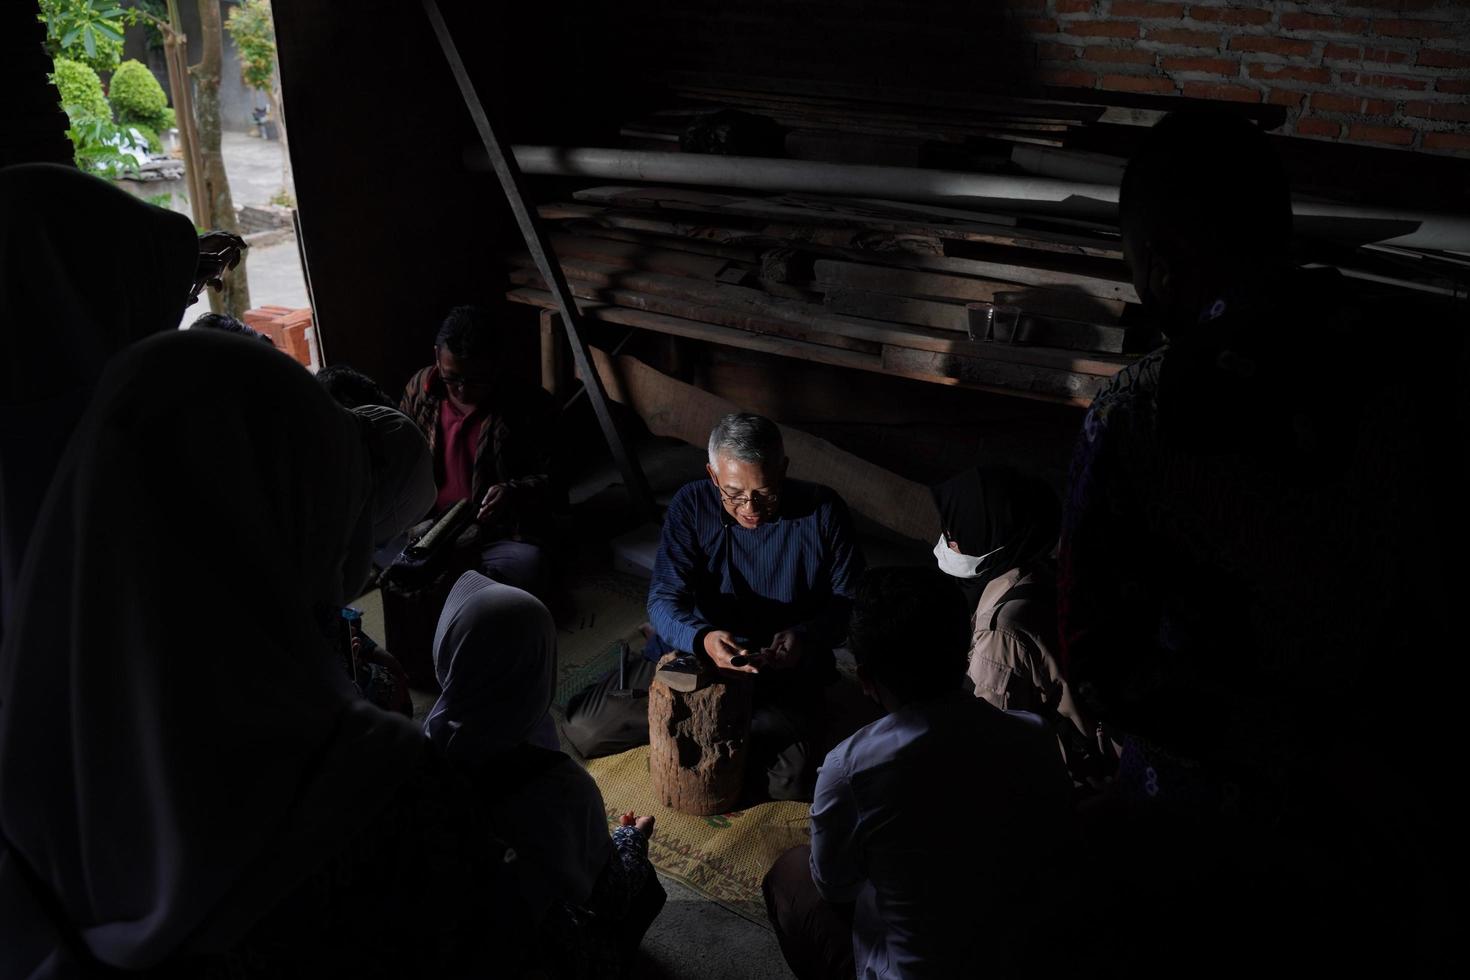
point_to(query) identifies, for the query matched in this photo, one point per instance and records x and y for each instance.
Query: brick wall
(1383, 72)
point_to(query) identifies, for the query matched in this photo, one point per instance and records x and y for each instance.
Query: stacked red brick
(285, 327)
(1387, 72)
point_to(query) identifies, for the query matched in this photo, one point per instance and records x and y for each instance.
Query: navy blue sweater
(797, 571)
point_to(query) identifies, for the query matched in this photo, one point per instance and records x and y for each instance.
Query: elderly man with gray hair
(755, 572)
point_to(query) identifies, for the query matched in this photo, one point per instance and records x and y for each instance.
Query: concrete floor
(694, 938)
(254, 167)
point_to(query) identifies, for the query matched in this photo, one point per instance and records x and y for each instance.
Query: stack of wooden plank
(881, 285)
(1013, 121)
(865, 124)
(878, 286)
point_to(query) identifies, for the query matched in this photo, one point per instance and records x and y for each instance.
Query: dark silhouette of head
(229, 324)
(910, 634)
(468, 351)
(1205, 206)
(351, 388)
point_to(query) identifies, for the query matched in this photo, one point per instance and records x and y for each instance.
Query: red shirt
(455, 462)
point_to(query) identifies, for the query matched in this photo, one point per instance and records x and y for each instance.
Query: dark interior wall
(396, 230)
(949, 44)
(920, 430)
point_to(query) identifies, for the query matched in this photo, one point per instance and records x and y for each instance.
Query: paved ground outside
(274, 271)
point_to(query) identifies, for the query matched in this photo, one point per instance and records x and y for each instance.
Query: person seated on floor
(229, 324)
(593, 897)
(492, 438)
(401, 453)
(883, 891)
(999, 535)
(754, 573)
(230, 806)
(1247, 547)
(350, 388)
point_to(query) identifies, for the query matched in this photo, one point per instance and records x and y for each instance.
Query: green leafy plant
(149, 137)
(88, 31)
(283, 198)
(138, 99)
(98, 146)
(81, 90)
(254, 33)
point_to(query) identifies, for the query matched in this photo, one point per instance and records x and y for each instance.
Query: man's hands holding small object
(729, 655)
(784, 652)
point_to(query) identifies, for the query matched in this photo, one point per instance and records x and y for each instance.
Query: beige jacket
(1014, 665)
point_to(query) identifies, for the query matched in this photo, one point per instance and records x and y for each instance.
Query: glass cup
(993, 321)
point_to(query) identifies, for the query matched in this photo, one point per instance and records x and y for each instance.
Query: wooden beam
(1051, 332)
(868, 215)
(552, 361)
(633, 255)
(940, 285)
(977, 371)
(689, 309)
(952, 317)
(699, 246)
(671, 408)
(709, 332)
(760, 306)
(1073, 389)
(1103, 278)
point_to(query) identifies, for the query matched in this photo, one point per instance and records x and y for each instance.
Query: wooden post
(551, 352)
(175, 51)
(698, 744)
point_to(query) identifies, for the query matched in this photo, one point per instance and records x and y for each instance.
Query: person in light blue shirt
(934, 829)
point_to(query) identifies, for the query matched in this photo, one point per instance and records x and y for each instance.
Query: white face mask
(956, 564)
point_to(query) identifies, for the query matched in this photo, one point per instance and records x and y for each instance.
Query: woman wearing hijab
(999, 534)
(85, 270)
(493, 655)
(189, 784)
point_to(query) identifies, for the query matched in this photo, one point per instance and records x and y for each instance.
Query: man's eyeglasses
(759, 499)
(455, 381)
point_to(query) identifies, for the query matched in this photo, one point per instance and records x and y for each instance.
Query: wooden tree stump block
(698, 744)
